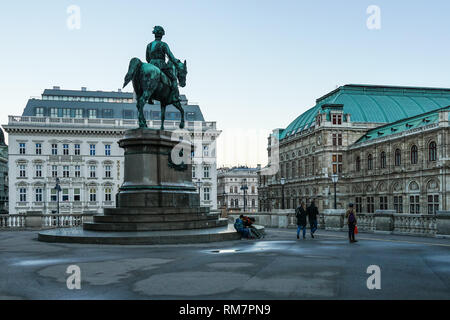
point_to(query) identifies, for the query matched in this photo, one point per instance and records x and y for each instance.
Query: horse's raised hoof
(182, 125)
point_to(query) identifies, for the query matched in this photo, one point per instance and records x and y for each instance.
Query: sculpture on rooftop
(157, 79)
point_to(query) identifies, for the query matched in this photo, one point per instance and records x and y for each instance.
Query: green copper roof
(418, 121)
(378, 104)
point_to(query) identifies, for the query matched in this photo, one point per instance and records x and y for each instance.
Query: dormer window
(336, 118)
(318, 120)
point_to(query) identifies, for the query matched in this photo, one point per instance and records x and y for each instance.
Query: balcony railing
(102, 123)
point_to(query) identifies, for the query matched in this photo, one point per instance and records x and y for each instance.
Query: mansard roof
(118, 109)
(374, 104)
(421, 120)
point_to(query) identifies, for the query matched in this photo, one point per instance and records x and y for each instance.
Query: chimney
(56, 88)
(83, 89)
(119, 90)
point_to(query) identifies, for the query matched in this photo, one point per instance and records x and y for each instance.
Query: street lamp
(58, 190)
(244, 187)
(334, 178)
(282, 181)
(199, 184)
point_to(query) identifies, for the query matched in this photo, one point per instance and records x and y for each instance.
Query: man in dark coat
(313, 212)
(300, 213)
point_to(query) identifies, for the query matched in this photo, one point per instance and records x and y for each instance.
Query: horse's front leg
(163, 115)
(180, 108)
(140, 107)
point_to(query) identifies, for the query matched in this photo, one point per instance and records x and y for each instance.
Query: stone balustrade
(382, 221)
(37, 220)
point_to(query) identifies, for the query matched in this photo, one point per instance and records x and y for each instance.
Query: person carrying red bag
(350, 215)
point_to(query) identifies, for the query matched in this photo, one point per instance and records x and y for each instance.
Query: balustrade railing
(22, 221)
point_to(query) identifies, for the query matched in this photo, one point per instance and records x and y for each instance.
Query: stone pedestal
(33, 219)
(384, 221)
(443, 224)
(157, 202)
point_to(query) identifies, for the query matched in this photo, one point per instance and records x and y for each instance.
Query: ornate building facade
(387, 145)
(231, 184)
(72, 135)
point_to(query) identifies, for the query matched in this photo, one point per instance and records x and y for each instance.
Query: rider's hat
(158, 30)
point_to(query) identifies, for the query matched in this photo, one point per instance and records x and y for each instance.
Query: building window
(39, 112)
(92, 149)
(107, 149)
(206, 172)
(78, 113)
(108, 171)
(23, 195)
(337, 163)
(38, 193)
(22, 148)
(38, 170)
(77, 149)
(383, 160)
(66, 113)
(65, 149)
(358, 164)
(107, 194)
(383, 203)
(433, 203)
(53, 112)
(65, 194)
(65, 171)
(398, 157)
(432, 153)
(369, 162)
(370, 205)
(358, 204)
(77, 171)
(206, 194)
(54, 149)
(108, 113)
(92, 171)
(414, 154)
(92, 195)
(337, 139)
(92, 114)
(22, 171)
(193, 171)
(54, 171)
(398, 204)
(38, 148)
(53, 195)
(337, 118)
(205, 151)
(414, 204)
(76, 194)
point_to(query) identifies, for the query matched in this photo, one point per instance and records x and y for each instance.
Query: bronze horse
(149, 82)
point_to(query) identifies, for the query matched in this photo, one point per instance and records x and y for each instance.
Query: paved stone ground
(277, 267)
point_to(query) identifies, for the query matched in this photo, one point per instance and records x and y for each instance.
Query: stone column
(384, 221)
(443, 224)
(33, 219)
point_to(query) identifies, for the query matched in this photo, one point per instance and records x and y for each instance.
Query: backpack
(351, 218)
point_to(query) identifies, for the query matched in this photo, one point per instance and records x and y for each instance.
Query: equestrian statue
(157, 79)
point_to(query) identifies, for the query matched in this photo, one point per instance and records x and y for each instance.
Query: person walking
(313, 212)
(350, 215)
(300, 213)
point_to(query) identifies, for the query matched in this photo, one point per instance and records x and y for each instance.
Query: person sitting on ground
(248, 222)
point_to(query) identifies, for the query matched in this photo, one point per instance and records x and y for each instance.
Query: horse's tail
(134, 66)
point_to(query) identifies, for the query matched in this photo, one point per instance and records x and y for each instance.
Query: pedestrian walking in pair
(301, 214)
(350, 215)
(313, 212)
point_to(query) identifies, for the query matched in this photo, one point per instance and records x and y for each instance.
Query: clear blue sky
(253, 64)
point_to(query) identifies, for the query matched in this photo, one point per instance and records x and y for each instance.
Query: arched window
(383, 160)
(358, 164)
(414, 154)
(398, 157)
(432, 151)
(369, 162)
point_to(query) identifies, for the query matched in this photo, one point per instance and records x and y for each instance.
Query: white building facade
(77, 146)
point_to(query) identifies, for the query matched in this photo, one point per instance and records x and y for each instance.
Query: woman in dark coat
(300, 213)
(350, 215)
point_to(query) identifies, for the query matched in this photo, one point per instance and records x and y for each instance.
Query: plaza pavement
(277, 267)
